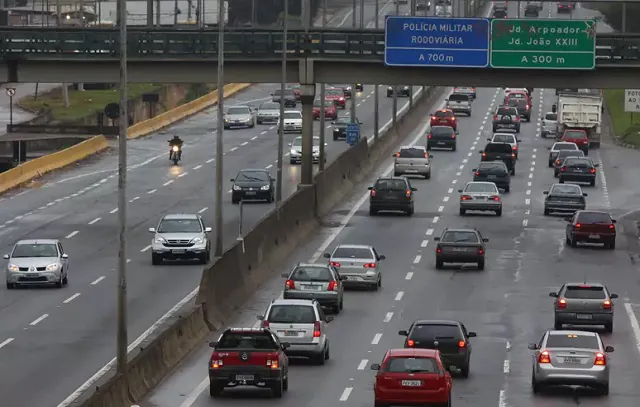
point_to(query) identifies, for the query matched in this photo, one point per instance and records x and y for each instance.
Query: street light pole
(353, 85)
(322, 99)
(220, 130)
(283, 83)
(394, 111)
(376, 90)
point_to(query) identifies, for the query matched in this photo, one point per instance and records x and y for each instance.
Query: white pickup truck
(580, 110)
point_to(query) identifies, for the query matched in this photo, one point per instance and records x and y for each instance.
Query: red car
(412, 377)
(296, 91)
(579, 137)
(591, 227)
(517, 95)
(336, 96)
(444, 117)
(330, 111)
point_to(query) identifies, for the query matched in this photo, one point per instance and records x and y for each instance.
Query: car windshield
(495, 166)
(504, 138)
(551, 117)
(352, 253)
(287, 92)
(291, 314)
(480, 187)
(238, 110)
(497, 148)
(517, 102)
(456, 97)
(411, 365)
(572, 134)
(412, 153)
(327, 103)
(572, 341)
(566, 189)
(391, 185)
(459, 236)
(259, 341)
(252, 176)
(343, 120)
(430, 332)
(442, 130)
(318, 274)
(506, 110)
(270, 106)
(594, 217)
(564, 146)
(334, 92)
(35, 250)
(444, 113)
(298, 142)
(179, 226)
(292, 115)
(584, 292)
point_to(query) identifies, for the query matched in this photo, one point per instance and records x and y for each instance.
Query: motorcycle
(175, 154)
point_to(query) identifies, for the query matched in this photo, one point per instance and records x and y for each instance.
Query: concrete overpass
(318, 56)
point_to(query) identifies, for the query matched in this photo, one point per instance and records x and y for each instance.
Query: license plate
(411, 170)
(459, 249)
(250, 192)
(312, 287)
(481, 198)
(353, 278)
(178, 251)
(33, 275)
(290, 333)
(573, 361)
(237, 121)
(443, 121)
(441, 143)
(594, 236)
(244, 377)
(584, 316)
(411, 383)
(491, 177)
(577, 170)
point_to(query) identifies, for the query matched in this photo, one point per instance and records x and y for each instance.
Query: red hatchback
(591, 227)
(336, 96)
(330, 111)
(444, 117)
(412, 377)
(579, 137)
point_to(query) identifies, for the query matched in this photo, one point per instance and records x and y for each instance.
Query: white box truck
(580, 110)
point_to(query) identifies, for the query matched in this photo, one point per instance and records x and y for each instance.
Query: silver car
(359, 265)
(239, 116)
(37, 262)
(480, 196)
(570, 358)
(459, 103)
(180, 236)
(412, 160)
(549, 125)
(292, 121)
(555, 149)
(583, 304)
(295, 154)
(302, 324)
(268, 112)
(320, 282)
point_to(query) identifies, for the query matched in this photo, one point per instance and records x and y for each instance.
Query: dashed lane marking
(72, 234)
(97, 280)
(73, 297)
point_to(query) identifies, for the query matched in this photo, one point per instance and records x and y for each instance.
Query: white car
(509, 90)
(508, 138)
(292, 121)
(295, 154)
(549, 125)
(555, 149)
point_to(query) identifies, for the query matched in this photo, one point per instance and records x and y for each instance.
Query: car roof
(439, 321)
(316, 265)
(564, 185)
(562, 332)
(355, 246)
(408, 352)
(238, 106)
(253, 170)
(592, 211)
(293, 111)
(563, 142)
(38, 241)
(387, 178)
(409, 147)
(499, 142)
(585, 283)
(504, 134)
(480, 182)
(440, 127)
(281, 301)
(180, 216)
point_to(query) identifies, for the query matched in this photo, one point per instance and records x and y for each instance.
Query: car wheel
(379, 284)
(574, 243)
(464, 371)
(507, 189)
(546, 212)
(285, 383)
(469, 113)
(396, 174)
(481, 265)
(453, 148)
(10, 286)
(215, 390)
(609, 327)
(439, 264)
(428, 176)
(463, 212)
(612, 245)
(208, 254)
(499, 212)
(155, 259)
(592, 183)
(65, 279)
(535, 387)
(341, 303)
(292, 162)
(604, 389)
(336, 308)
(561, 180)
(372, 212)
(567, 241)
(550, 164)
(59, 283)
(513, 171)
(335, 138)
(259, 121)
(319, 359)
(235, 201)
(203, 259)
(327, 354)
(518, 129)
(494, 129)
(276, 389)
(378, 404)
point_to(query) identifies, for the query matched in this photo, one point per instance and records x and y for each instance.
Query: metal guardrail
(62, 129)
(240, 44)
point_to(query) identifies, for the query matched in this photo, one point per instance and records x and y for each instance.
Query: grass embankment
(626, 129)
(81, 103)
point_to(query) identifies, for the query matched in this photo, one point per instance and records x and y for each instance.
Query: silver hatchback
(320, 282)
(584, 304)
(302, 324)
(359, 265)
(412, 160)
(37, 262)
(570, 358)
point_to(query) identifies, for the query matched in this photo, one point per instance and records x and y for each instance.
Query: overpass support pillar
(307, 95)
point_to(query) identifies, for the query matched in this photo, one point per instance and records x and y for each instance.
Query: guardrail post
(307, 95)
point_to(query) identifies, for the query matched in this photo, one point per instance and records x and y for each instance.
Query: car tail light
(516, 120)
(373, 192)
(407, 193)
(578, 226)
(317, 329)
(480, 251)
(438, 250)
(290, 285)
(606, 304)
(562, 303)
(592, 170)
(216, 361)
(453, 136)
(462, 344)
(495, 198)
(527, 107)
(273, 363)
(265, 324)
(434, 118)
(584, 141)
(429, 136)
(453, 119)
(466, 197)
(484, 154)
(411, 343)
(612, 226)
(495, 117)
(335, 264)
(370, 265)
(514, 148)
(333, 286)
(342, 100)
(477, 174)
(513, 155)
(397, 154)
(601, 359)
(563, 169)
(558, 162)
(426, 155)
(544, 357)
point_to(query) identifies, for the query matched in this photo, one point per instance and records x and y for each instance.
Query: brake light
(273, 363)
(407, 193)
(426, 155)
(514, 147)
(513, 155)
(397, 154)
(333, 286)
(601, 359)
(410, 343)
(462, 344)
(335, 264)
(584, 141)
(438, 250)
(373, 192)
(216, 361)
(342, 100)
(265, 324)
(562, 303)
(495, 117)
(563, 169)
(370, 265)
(429, 136)
(528, 107)
(480, 251)
(592, 170)
(434, 118)
(612, 226)
(290, 285)
(477, 174)
(453, 136)
(544, 357)
(558, 162)
(453, 118)
(484, 154)
(495, 198)
(466, 197)
(316, 330)
(606, 304)
(578, 226)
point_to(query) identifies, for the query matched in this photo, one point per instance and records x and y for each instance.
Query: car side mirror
(568, 219)
(548, 148)
(518, 140)
(326, 144)
(370, 188)
(596, 165)
(285, 275)
(343, 278)
(614, 296)
(457, 132)
(485, 240)
(285, 345)
(472, 334)
(608, 349)
(152, 230)
(326, 256)
(213, 344)
(460, 191)
(6, 257)
(375, 366)
(232, 180)
(614, 221)
(260, 317)
(447, 375)
(328, 319)
(545, 192)
(207, 230)
(290, 144)
(403, 333)
(488, 138)
(533, 346)
(65, 256)
(414, 189)
(473, 170)
(446, 100)
(382, 257)
(333, 122)
(585, 194)
(436, 239)
(430, 155)
(480, 151)
(553, 295)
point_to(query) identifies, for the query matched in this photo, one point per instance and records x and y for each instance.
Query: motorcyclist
(176, 141)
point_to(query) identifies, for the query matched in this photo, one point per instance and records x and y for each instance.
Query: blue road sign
(353, 134)
(437, 42)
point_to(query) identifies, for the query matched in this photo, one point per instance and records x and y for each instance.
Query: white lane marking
(527, 201)
(255, 137)
(97, 280)
(388, 317)
(6, 342)
(635, 326)
(376, 339)
(128, 260)
(502, 399)
(113, 210)
(508, 346)
(346, 393)
(450, 191)
(244, 144)
(528, 192)
(268, 166)
(265, 132)
(203, 210)
(229, 191)
(183, 174)
(424, 243)
(73, 297)
(39, 319)
(399, 295)
(72, 234)
(445, 199)
(417, 259)
(193, 396)
(505, 366)
(210, 160)
(429, 232)
(136, 198)
(96, 220)
(152, 191)
(363, 364)
(197, 167)
(145, 249)
(233, 149)
(409, 275)
(525, 222)
(168, 183)
(440, 208)
(435, 219)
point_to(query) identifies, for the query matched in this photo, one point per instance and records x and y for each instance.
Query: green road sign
(543, 44)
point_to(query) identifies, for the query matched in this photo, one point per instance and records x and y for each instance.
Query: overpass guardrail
(240, 44)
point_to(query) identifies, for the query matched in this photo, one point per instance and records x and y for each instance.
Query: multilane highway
(61, 338)
(507, 304)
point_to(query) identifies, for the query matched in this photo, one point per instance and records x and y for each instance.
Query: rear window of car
(495, 165)
(411, 365)
(391, 185)
(426, 332)
(575, 135)
(564, 146)
(412, 153)
(445, 113)
(570, 153)
(352, 253)
(551, 116)
(312, 274)
(247, 340)
(581, 162)
(481, 187)
(517, 102)
(441, 130)
(594, 217)
(572, 341)
(506, 110)
(497, 148)
(291, 314)
(503, 138)
(584, 292)
(457, 97)
(459, 237)
(565, 189)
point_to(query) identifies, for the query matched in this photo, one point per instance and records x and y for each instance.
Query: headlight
(265, 187)
(390, 88)
(159, 239)
(248, 120)
(197, 240)
(226, 121)
(294, 152)
(52, 267)
(236, 188)
(348, 87)
(175, 148)
(13, 267)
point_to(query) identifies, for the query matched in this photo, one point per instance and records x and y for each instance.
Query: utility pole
(283, 83)
(394, 111)
(219, 220)
(353, 85)
(158, 14)
(376, 91)
(149, 13)
(322, 98)
(65, 88)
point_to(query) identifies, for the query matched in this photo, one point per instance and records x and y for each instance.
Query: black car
(460, 246)
(531, 10)
(506, 117)
(578, 169)
(451, 338)
(391, 194)
(523, 107)
(563, 155)
(252, 185)
(290, 99)
(500, 152)
(499, 13)
(400, 90)
(340, 127)
(441, 137)
(564, 198)
(500, 5)
(493, 171)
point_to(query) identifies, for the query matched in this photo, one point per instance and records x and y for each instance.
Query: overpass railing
(239, 44)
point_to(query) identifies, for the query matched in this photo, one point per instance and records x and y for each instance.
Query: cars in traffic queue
(295, 152)
(522, 105)
(412, 376)
(495, 172)
(565, 7)
(336, 95)
(506, 117)
(290, 99)
(450, 338)
(320, 282)
(412, 160)
(359, 265)
(591, 227)
(391, 194)
(330, 111)
(399, 90)
(579, 137)
(480, 196)
(442, 137)
(537, 4)
(531, 10)
(570, 358)
(466, 90)
(549, 125)
(248, 357)
(423, 5)
(37, 262)
(508, 91)
(564, 198)
(500, 13)
(508, 138)
(340, 127)
(500, 5)
(578, 169)
(292, 121)
(562, 156)
(517, 94)
(500, 152)
(346, 89)
(459, 103)
(583, 304)
(239, 116)
(444, 117)
(460, 246)
(557, 147)
(268, 112)
(252, 185)
(302, 324)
